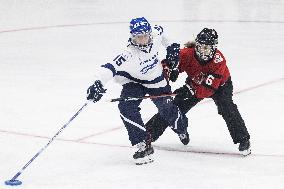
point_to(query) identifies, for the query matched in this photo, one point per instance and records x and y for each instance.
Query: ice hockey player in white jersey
(140, 72)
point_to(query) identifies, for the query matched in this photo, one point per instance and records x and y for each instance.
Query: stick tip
(13, 182)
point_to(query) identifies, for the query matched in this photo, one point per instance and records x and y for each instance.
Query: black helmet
(206, 45)
(207, 36)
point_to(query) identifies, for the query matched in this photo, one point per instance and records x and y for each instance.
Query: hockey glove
(174, 75)
(172, 57)
(95, 91)
(185, 92)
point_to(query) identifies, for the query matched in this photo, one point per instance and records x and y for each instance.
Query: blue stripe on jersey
(110, 67)
(128, 76)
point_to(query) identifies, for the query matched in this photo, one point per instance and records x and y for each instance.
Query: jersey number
(209, 80)
(119, 60)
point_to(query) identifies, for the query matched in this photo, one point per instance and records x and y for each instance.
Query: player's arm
(211, 82)
(176, 61)
(159, 31)
(171, 61)
(104, 74)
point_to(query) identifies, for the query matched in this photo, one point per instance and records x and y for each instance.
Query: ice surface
(49, 52)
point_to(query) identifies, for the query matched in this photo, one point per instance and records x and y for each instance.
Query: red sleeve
(216, 75)
(184, 56)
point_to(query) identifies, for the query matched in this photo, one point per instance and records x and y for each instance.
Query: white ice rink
(49, 52)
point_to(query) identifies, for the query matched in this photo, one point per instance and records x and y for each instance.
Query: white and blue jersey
(140, 72)
(138, 66)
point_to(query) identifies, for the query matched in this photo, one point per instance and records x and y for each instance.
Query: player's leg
(156, 126)
(230, 113)
(131, 117)
(168, 115)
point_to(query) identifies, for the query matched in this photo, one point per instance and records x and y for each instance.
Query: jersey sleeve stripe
(110, 67)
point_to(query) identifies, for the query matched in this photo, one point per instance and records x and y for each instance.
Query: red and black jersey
(204, 79)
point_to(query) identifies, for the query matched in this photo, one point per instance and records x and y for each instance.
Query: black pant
(226, 108)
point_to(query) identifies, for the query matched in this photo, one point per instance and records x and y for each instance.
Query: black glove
(95, 91)
(185, 92)
(172, 57)
(174, 75)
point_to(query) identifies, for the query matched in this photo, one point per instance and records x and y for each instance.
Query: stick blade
(13, 182)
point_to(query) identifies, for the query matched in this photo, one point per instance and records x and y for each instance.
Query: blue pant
(130, 111)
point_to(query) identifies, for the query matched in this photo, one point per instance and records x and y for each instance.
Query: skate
(244, 148)
(184, 138)
(144, 154)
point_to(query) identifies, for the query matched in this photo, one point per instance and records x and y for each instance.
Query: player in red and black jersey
(208, 77)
